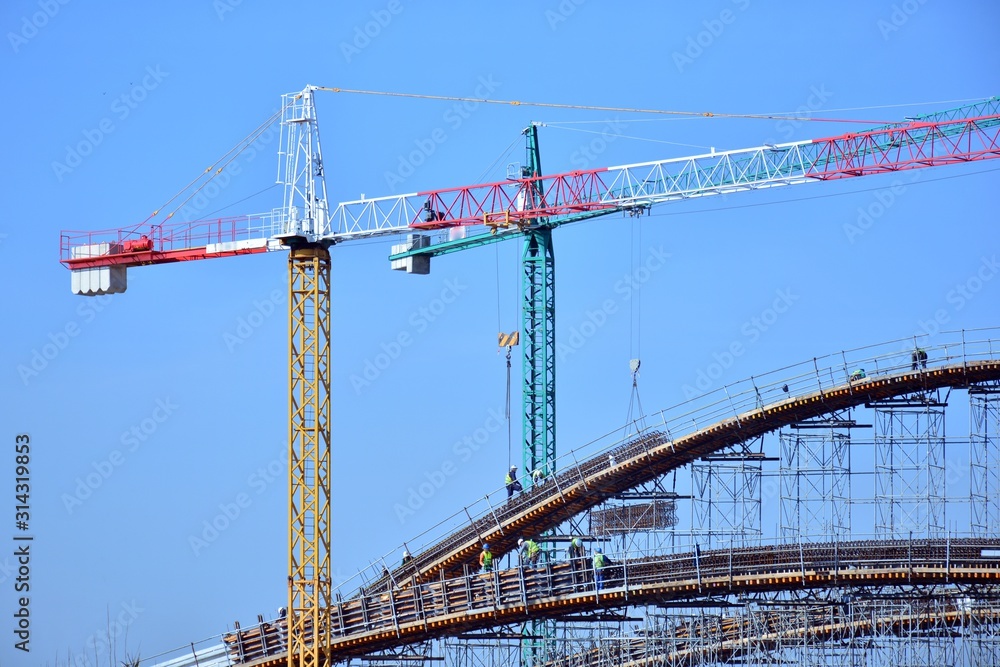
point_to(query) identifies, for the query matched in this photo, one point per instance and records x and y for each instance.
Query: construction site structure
(529, 204)
(817, 596)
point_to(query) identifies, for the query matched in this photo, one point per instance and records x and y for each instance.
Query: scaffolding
(726, 497)
(814, 478)
(910, 466)
(984, 433)
(815, 547)
(821, 481)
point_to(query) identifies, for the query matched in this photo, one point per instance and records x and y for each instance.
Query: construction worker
(530, 551)
(576, 554)
(858, 374)
(406, 557)
(486, 558)
(512, 483)
(537, 476)
(919, 358)
(600, 562)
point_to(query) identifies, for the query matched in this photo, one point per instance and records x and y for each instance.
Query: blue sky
(150, 388)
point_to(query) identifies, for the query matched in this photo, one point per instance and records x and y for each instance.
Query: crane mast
(538, 326)
(309, 480)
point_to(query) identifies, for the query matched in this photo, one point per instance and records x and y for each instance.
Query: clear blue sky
(156, 92)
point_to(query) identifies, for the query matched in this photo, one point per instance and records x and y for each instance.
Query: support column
(984, 401)
(309, 579)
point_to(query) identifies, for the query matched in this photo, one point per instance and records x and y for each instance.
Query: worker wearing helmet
(600, 562)
(406, 557)
(512, 483)
(530, 551)
(577, 555)
(486, 558)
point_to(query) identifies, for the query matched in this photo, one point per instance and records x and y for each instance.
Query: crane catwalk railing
(171, 242)
(676, 436)
(448, 606)
(507, 203)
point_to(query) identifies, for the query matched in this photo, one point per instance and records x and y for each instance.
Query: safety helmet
(520, 541)
(405, 554)
(513, 467)
(598, 550)
(485, 546)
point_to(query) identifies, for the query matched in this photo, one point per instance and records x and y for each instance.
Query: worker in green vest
(577, 558)
(486, 558)
(600, 562)
(530, 551)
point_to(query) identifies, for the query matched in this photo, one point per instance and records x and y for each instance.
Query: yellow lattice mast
(309, 582)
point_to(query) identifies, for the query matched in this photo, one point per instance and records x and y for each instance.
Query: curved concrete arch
(458, 605)
(655, 453)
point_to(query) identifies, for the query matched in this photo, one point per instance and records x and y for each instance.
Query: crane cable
(635, 327)
(587, 107)
(232, 154)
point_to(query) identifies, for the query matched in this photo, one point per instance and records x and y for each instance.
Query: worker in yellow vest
(486, 558)
(600, 562)
(512, 483)
(530, 551)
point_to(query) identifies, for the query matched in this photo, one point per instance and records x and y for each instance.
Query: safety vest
(599, 561)
(532, 547)
(486, 560)
(509, 480)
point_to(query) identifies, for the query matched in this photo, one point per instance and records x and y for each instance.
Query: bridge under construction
(814, 515)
